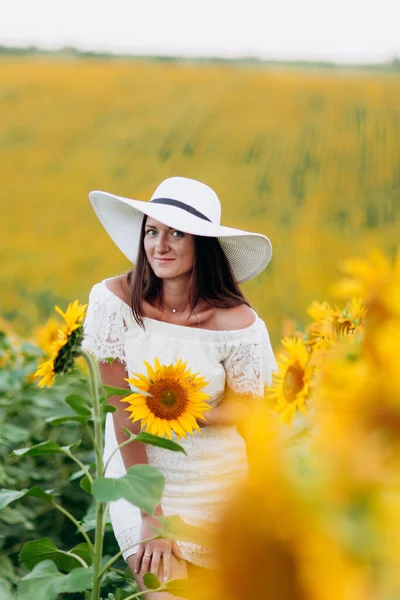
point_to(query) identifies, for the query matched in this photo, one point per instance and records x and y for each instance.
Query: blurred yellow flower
(357, 402)
(331, 323)
(47, 373)
(279, 537)
(45, 335)
(64, 349)
(351, 317)
(169, 399)
(73, 318)
(321, 311)
(376, 281)
(290, 387)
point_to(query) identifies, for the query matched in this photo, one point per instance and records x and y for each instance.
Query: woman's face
(170, 252)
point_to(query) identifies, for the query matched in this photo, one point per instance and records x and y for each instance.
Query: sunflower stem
(125, 443)
(78, 558)
(65, 512)
(90, 434)
(98, 448)
(142, 593)
(80, 464)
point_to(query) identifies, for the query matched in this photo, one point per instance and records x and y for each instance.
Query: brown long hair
(211, 280)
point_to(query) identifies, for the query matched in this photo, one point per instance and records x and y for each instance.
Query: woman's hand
(148, 557)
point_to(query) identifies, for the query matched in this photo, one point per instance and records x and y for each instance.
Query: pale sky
(338, 30)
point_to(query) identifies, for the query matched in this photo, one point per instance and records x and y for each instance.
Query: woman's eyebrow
(155, 227)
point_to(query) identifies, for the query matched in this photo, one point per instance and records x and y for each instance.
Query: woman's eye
(178, 234)
(150, 232)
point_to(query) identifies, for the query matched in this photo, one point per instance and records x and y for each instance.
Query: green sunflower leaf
(45, 582)
(48, 447)
(8, 496)
(37, 492)
(78, 405)
(54, 421)
(151, 581)
(156, 440)
(37, 551)
(84, 552)
(45, 448)
(85, 485)
(128, 432)
(142, 485)
(116, 391)
(89, 520)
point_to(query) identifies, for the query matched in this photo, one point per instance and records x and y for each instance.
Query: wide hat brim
(248, 253)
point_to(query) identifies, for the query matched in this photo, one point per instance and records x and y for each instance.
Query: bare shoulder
(118, 285)
(237, 317)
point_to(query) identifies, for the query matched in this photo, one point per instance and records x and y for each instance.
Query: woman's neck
(175, 295)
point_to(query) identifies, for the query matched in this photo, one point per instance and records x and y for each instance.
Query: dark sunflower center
(293, 382)
(168, 400)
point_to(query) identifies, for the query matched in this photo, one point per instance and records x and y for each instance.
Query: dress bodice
(242, 358)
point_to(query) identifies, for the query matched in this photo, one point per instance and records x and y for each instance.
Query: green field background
(309, 158)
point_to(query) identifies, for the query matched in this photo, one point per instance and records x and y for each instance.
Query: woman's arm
(114, 374)
(134, 453)
(149, 555)
(248, 367)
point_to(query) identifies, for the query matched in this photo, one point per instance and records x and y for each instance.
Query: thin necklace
(175, 310)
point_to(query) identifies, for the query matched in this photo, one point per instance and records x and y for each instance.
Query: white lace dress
(196, 484)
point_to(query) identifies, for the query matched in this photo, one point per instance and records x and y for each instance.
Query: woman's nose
(162, 243)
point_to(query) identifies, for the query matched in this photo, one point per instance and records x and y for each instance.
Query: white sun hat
(189, 206)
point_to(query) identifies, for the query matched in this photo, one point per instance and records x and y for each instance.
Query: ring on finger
(149, 555)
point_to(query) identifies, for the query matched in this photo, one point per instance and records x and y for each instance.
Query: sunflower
(73, 318)
(332, 325)
(291, 383)
(321, 311)
(376, 280)
(299, 542)
(45, 335)
(64, 349)
(169, 398)
(351, 316)
(322, 329)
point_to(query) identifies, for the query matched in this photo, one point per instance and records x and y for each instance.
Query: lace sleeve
(104, 327)
(250, 362)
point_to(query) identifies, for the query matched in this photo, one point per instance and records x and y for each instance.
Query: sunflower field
(311, 159)
(308, 158)
(319, 513)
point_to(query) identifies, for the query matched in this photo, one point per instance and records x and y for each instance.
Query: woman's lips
(164, 259)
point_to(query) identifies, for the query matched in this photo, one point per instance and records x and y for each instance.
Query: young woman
(180, 301)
